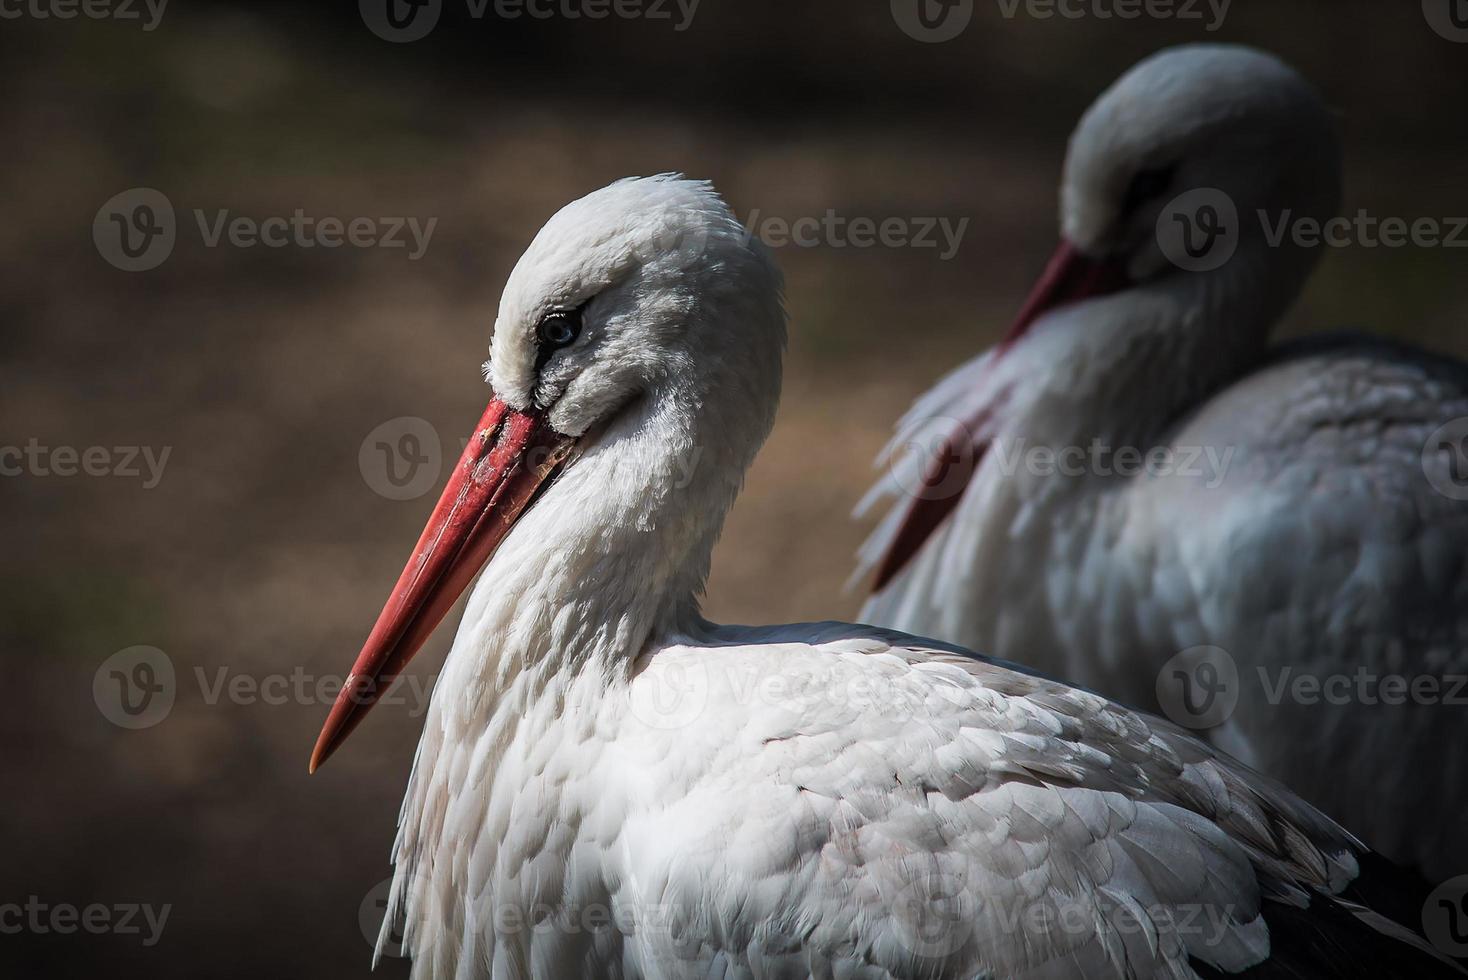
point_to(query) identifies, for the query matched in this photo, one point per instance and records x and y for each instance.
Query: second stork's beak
(509, 457)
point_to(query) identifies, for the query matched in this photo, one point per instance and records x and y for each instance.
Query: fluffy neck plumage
(1124, 368)
(614, 553)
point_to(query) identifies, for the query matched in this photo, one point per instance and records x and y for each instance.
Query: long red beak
(509, 457)
(1070, 277)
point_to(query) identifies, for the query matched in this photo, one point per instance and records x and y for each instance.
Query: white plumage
(1309, 538)
(820, 800)
(609, 785)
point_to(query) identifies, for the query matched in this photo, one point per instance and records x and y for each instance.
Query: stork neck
(614, 552)
(1124, 368)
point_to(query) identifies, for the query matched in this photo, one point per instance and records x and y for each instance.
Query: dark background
(265, 549)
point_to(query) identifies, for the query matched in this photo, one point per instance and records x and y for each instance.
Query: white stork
(1301, 515)
(609, 785)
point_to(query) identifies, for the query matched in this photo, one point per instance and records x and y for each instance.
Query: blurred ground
(263, 549)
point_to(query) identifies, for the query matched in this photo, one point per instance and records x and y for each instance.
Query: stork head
(644, 284)
(1175, 164)
(1223, 120)
(647, 296)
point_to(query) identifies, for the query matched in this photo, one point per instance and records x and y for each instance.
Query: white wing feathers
(1072, 834)
(934, 415)
(841, 801)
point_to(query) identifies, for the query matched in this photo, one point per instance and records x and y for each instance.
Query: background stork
(1316, 531)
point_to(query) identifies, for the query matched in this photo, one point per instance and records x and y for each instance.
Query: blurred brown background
(263, 548)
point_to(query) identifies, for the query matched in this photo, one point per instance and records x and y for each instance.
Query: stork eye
(1146, 186)
(558, 329)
